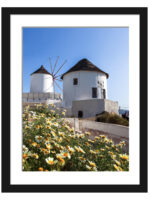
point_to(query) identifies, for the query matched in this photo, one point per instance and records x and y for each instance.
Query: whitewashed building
(41, 81)
(42, 88)
(84, 90)
(84, 81)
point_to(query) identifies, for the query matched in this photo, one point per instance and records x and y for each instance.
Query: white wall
(41, 83)
(82, 91)
(31, 102)
(118, 130)
(91, 107)
(42, 97)
(114, 129)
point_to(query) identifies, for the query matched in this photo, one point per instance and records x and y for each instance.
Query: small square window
(75, 81)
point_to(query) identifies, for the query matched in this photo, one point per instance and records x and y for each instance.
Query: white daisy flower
(38, 138)
(51, 161)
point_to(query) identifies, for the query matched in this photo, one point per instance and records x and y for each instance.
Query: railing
(41, 96)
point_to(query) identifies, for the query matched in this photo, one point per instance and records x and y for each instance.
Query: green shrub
(112, 118)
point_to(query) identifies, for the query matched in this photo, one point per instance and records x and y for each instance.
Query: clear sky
(107, 48)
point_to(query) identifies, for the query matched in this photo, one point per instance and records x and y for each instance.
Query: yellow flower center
(92, 164)
(65, 154)
(40, 168)
(50, 162)
(24, 155)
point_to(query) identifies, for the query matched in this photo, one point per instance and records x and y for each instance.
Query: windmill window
(75, 81)
(94, 92)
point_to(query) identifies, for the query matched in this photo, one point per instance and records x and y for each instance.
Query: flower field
(50, 144)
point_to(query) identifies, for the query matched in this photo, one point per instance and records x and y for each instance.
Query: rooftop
(41, 70)
(84, 65)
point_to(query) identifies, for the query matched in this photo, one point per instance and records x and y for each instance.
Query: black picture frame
(6, 13)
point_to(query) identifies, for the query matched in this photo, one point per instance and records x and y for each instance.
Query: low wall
(57, 103)
(37, 97)
(115, 132)
(118, 130)
(114, 129)
(74, 122)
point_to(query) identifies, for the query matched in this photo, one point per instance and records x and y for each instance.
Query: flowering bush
(50, 144)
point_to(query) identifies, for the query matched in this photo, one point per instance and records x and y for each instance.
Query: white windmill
(43, 81)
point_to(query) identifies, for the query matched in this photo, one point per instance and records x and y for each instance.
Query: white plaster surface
(86, 81)
(41, 97)
(92, 107)
(41, 83)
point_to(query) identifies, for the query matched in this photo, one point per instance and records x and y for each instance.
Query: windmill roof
(41, 70)
(84, 65)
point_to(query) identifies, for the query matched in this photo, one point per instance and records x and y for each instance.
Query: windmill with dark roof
(43, 82)
(84, 81)
(42, 85)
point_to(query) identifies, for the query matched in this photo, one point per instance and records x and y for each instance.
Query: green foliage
(112, 118)
(49, 144)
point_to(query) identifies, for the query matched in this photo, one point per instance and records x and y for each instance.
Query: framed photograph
(63, 128)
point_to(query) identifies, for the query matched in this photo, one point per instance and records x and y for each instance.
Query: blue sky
(107, 48)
